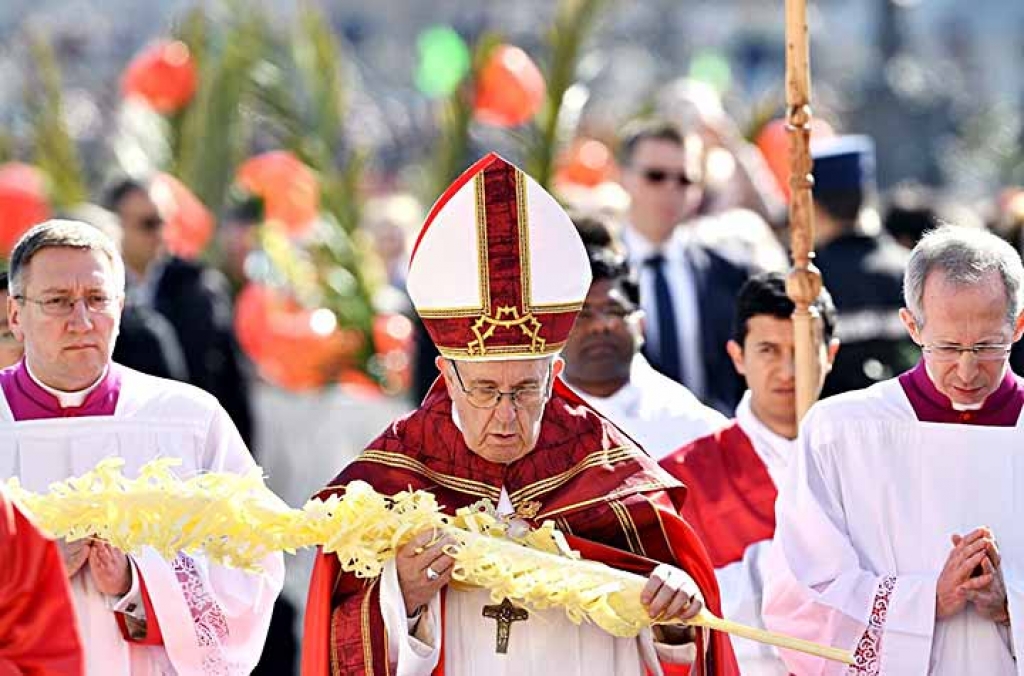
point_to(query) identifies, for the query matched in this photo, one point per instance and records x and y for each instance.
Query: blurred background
(266, 164)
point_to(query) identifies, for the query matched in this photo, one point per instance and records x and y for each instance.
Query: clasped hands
(108, 566)
(972, 575)
(424, 569)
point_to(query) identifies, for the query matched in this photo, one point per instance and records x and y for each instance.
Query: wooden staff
(803, 284)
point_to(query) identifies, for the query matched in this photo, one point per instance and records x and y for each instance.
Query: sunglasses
(657, 176)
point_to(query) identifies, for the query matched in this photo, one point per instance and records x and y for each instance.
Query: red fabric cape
(38, 632)
(731, 504)
(611, 500)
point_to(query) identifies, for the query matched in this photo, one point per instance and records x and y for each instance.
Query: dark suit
(147, 342)
(718, 279)
(196, 300)
(864, 274)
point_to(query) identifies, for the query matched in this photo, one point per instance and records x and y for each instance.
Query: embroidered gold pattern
(453, 482)
(506, 318)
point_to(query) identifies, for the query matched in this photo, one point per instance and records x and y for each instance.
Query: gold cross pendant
(504, 614)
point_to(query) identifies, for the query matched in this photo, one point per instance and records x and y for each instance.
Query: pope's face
(506, 432)
(67, 352)
(964, 316)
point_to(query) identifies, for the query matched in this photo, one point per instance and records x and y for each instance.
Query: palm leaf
(573, 23)
(53, 149)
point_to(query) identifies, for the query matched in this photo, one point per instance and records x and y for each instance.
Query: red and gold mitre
(499, 270)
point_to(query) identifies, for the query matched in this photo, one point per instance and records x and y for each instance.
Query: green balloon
(443, 61)
(713, 69)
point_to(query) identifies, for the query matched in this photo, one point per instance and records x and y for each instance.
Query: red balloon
(294, 347)
(289, 189)
(587, 162)
(510, 88)
(188, 224)
(773, 141)
(163, 74)
(23, 202)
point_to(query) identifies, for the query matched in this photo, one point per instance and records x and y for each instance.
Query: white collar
(773, 449)
(639, 248)
(67, 399)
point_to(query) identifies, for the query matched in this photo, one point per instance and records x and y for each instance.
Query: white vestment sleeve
(411, 655)
(816, 588)
(213, 619)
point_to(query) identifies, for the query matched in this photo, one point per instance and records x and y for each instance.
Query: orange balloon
(587, 162)
(188, 224)
(773, 142)
(23, 202)
(289, 189)
(510, 88)
(163, 74)
(294, 347)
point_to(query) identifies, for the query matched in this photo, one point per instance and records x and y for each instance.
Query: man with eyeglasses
(603, 363)
(686, 288)
(898, 522)
(498, 276)
(65, 407)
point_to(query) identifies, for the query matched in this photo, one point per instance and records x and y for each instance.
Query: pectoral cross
(504, 614)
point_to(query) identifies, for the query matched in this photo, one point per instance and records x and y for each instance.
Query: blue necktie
(668, 359)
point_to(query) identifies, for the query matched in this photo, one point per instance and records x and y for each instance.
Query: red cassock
(610, 499)
(38, 634)
(732, 500)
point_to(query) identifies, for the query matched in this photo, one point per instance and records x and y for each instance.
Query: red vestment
(610, 499)
(732, 500)
(38, 633)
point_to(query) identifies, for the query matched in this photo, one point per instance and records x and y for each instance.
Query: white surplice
(213, 619)
(658, 413)
(864, 519)
(742, 582)
(546, 643)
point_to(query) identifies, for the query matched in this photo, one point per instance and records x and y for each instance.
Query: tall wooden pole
(804, 280)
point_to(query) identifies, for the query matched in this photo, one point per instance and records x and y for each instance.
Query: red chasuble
(732, 497)
(610, 499)
(38, 633)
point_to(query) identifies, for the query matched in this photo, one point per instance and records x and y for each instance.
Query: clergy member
(604, 365)
(65, 407)
(732, 474)
(898, 523)
(38, 634)
(498, 275)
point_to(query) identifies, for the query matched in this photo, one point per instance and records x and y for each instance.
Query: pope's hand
(955, 581)
(110, 569)
(671, 594)
(75, 554)
(423, 568)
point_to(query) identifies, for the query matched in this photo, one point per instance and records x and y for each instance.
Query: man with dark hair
(194, 298)
(686, 288)
(863, 267)
(732, 474)
(603, 363)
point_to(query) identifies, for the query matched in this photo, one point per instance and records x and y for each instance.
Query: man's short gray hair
(62, 233)
(964, 256)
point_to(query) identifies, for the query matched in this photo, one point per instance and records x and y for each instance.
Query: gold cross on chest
(504, 614)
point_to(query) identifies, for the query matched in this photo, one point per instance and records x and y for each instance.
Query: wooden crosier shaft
(803, 284)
